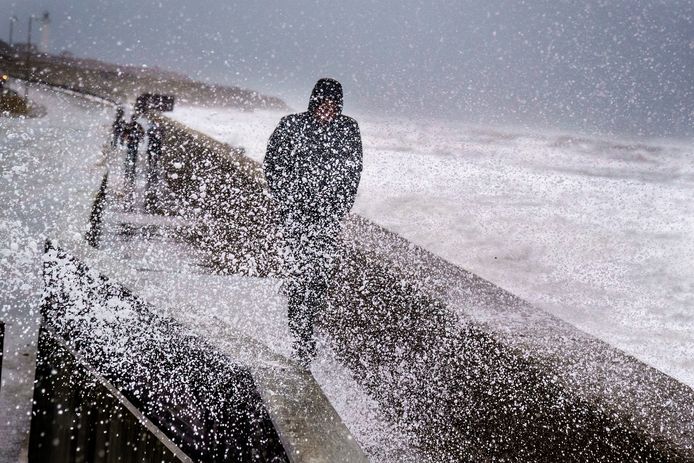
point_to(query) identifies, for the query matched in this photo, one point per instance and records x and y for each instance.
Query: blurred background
(598, 67)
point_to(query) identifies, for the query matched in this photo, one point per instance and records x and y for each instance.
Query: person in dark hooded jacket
(133, 134)
(313, 166)
(118, 127)
(155, 135)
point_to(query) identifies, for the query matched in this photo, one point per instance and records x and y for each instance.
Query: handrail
(62, 373)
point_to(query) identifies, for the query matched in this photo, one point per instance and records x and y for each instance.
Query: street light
(31, 18)
(28, 58)
(45, 27)
(13, 19)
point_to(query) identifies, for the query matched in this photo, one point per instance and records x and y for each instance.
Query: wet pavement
(50, 168)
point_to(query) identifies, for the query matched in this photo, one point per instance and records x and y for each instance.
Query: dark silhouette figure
(155, 136)
(133, 134)
(313, 166)
(118, 127)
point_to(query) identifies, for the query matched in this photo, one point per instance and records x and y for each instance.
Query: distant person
(313, 166)
(118, 127)
(133, 134)
(155, 136)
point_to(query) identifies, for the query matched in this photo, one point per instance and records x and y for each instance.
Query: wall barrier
(471, 366)
(217, 185)
(79, 416)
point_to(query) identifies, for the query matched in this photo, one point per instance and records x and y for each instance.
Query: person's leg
(312, 303)
(313, 259)
(300, 322)
(130, 164)
(301, 315)
(130, 161)
(149, 185)
(298, 289)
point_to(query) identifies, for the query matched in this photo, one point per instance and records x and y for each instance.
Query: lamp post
(28, 59)
(31, 18)
(13, 19)
(45, 28)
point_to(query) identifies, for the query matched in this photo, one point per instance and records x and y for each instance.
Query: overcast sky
(615, 66)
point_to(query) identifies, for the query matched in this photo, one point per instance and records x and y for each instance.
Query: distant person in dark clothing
(313, 166)
(155, 135)
(133, 135)
(118, 127)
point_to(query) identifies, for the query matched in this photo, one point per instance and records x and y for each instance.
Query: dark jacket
(133, 133)
(119, 123)
(155, 134)
(313, 168)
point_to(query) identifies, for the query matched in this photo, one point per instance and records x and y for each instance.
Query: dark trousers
(152, 177)
(309, 255)
(130, 164)
(117, 135)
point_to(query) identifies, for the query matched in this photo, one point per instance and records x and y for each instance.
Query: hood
(326, 89)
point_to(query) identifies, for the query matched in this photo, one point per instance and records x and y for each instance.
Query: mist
(619, 67)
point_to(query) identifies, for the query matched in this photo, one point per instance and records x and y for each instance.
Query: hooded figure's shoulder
(293, 119)
(347, 121)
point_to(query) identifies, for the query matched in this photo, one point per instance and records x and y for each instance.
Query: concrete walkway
(50, 170)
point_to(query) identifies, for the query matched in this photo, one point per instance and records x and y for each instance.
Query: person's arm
(355, 166)
(139, 132)
(276, 162)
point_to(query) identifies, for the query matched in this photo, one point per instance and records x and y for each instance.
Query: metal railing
(80, 416)
(102, 348)
(2, 348)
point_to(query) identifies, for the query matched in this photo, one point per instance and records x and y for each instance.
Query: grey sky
(606, 66)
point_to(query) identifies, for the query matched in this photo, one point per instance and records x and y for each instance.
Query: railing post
(93, 235)
(2, 348)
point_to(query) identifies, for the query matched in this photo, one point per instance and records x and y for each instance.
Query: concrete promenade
(50, 170)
